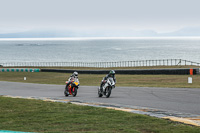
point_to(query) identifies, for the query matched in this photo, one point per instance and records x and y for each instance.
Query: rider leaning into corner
(111, 74)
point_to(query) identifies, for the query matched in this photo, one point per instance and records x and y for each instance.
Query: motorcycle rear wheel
(66, 91)
(99, 93)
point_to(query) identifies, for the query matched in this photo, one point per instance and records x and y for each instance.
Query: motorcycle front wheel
(108, 92)
(74, 91)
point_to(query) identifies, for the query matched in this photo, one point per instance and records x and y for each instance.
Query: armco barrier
(159, 71)
(186, 71)
(19, 70)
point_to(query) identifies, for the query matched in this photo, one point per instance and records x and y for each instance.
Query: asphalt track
(182, 100)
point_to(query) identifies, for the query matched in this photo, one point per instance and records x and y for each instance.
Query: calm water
(95, 50)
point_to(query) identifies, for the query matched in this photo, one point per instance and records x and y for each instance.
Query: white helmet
(75, 73)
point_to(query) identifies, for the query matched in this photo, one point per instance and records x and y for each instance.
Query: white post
(190, 80)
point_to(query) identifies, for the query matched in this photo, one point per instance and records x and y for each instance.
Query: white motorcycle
(106, 88)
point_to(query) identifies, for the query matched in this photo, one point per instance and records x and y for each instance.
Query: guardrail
(138, 63)
(186, 71)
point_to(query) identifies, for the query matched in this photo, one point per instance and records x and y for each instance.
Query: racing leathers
(105, 78)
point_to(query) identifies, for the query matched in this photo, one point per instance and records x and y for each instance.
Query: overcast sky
(158, 15)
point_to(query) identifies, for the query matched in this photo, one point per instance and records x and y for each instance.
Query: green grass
(39, 116)
(95, 79)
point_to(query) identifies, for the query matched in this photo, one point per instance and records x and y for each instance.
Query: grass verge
(39, 116)
(95, 79)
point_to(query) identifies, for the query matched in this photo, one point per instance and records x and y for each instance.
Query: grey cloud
(127, 14)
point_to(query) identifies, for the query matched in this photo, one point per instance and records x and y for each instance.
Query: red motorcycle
(71, 87)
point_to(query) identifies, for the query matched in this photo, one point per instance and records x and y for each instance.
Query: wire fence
(138, 63)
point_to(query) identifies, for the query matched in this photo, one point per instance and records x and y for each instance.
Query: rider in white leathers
(111, 74)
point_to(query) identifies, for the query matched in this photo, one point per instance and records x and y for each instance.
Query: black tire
(99, 93)
(108, 92)
(74, 92)
(66, 91)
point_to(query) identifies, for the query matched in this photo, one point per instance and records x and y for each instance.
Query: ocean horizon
(98, 49)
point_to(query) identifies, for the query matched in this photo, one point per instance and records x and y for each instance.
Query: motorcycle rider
(73, 76)
(111, 74)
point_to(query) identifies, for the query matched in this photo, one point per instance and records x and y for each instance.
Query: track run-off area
(178, 104)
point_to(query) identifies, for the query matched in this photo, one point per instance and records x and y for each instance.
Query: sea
(98, 49)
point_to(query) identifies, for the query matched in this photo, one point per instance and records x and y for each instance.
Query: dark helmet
(112, 72)
(75, 73)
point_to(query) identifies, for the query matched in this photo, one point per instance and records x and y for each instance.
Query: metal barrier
(186, 71)
(138, 63)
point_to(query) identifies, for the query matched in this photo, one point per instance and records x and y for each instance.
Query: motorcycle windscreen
(111, 80)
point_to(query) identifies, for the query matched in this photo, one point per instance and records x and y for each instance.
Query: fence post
(171, 62)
